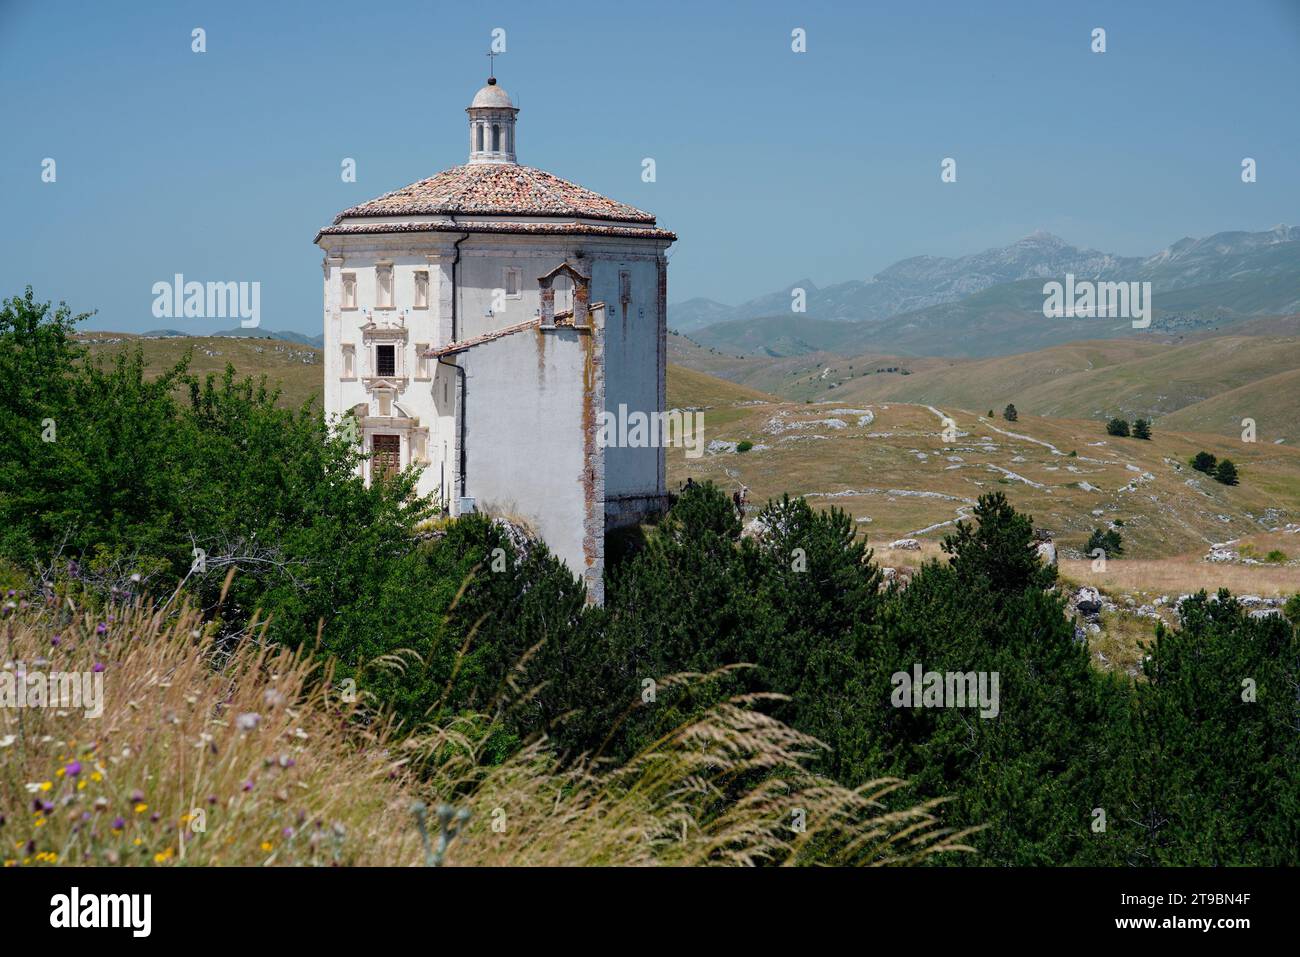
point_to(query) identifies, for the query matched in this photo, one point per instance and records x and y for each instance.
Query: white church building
(478, 322)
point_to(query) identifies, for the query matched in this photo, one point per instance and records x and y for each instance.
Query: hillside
(294, 368)
(1228, 377)
(887, 464)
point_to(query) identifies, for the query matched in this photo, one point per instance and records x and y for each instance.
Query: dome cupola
(492, 125)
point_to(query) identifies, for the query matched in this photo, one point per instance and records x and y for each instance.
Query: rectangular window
(384, 287)
(386, 455)
(386, 361)
(349, 290)
(511, 283)
(422, 290)
(349, 361)
(422, 362)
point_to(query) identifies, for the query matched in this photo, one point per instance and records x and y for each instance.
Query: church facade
(477, 325)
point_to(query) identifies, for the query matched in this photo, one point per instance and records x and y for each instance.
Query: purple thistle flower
(73, 769)
(101, 629)
(137, 796)
(56, 640)
(248, 785)
(99, 666)
(118, 823)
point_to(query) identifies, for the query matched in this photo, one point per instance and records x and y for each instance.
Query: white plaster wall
(525, 433)
(633, 352)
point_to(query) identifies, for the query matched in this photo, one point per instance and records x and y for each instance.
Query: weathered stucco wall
(529, 440)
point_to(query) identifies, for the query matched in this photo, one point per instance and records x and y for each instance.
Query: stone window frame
(420, 302)
(348, 353)
(349, 280)
(506, 273)
(423, 364)
(383, 267)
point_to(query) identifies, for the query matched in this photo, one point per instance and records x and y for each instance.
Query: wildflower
(99, 666)
(73, 769)
(7, 740)
(141, 808)
(118, 823)
(137, 796)
(101, 629)
(96, 776)
(46, 785)
(248, 721)
(56, 640)
(248, 786)
(267, 846)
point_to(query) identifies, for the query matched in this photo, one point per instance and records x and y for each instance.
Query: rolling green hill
(293, 367)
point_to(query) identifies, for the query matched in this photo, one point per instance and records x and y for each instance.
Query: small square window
(386, 361)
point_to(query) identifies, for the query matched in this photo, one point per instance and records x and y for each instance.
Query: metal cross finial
(491, 64)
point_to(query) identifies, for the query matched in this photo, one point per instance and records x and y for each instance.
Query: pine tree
(1010, 413)
(1226, 472)
(1203, 462)
(1117, 427)
(1142, 429)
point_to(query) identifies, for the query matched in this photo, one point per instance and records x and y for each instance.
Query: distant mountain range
(991, 302)
(317, 342)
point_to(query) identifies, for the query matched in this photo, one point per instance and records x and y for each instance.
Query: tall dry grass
(249, 755)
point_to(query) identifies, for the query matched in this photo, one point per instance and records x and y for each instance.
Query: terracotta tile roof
(491, 188)
(575, 228)
(464, 344)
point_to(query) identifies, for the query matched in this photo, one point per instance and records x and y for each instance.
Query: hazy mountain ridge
(990, 302)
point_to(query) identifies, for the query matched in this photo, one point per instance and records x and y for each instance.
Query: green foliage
(1010, 413)
(1291, 610)
(1210, 771)
(1117, 427)
(1142, 429)
(437, 619)
(1109, 541)
(1225, 472)
(1204, 462)
(744, 445)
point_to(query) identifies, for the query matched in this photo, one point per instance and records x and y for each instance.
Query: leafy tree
(1117, 427)
(1142, 429)
(1203, 462)
(1010, 413)
(1225, 472)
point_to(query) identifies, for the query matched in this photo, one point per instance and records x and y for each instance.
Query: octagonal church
(478, 323)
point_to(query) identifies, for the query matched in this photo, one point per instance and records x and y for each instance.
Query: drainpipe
(459, 371)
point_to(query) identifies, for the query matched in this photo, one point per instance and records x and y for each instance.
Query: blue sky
(772, 166)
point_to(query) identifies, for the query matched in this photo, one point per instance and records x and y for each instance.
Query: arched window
(496, 138)
(478, 142)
